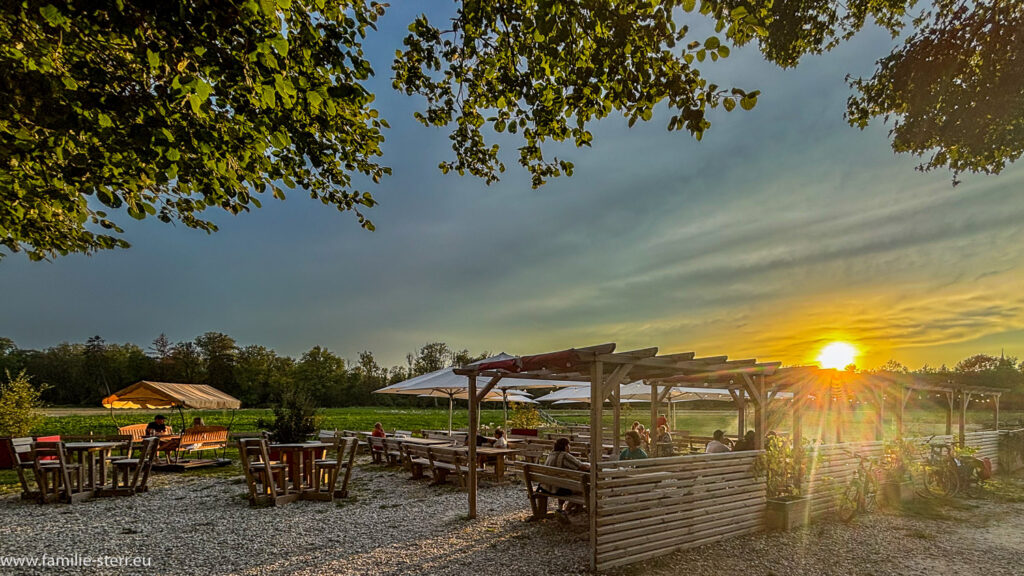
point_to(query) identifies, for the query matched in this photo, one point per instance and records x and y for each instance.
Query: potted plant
(784, 469)
(898, 462)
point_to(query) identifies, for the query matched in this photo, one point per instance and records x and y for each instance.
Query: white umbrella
(446, 383)
(450, 383)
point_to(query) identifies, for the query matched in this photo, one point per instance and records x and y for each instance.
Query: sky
(783, 230)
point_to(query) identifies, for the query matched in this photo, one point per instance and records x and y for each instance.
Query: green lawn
(860, 425)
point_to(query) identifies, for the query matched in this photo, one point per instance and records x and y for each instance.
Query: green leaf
(728, 104)
(173, 155)
(689, 5)
(748, 102)
(52, 15)
(712, 43)
(104, 120)
(153, 58)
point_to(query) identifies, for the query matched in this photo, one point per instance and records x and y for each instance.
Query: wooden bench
(136, 431)
(446, 461)
(418, 458)
(198, 438)
(576, 481)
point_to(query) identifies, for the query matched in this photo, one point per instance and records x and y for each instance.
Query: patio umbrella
(449, 384)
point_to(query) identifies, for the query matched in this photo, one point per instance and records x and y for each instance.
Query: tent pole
(451, 408)
(504, 405)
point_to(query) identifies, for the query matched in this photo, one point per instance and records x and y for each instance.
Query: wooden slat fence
(837, 464)
(649, 508)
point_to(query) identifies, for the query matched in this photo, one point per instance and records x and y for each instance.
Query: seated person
(718, 445)
(663, 443)
(378, 432)
(662, 421)
(197, 421)
(745, 443)
(158, 427)
(560, 458)
(499, 439)
(633, 450)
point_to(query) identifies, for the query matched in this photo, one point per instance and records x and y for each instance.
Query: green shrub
(524, 416)
(295, 418)
(19, 405)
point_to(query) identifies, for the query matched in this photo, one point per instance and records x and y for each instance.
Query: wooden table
(499, 458)
(88, 455)
(424, 441)
(299, 458)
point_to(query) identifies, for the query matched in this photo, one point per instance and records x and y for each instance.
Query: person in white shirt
(499, 439)
(718, 445)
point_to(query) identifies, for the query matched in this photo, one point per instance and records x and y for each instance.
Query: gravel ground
(396, 526)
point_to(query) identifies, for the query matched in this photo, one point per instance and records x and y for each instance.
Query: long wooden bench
(377, 448)
(551, 478)
(418, 457)
(444, 462)
(198, 438)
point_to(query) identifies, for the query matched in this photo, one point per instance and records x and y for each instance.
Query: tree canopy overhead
(168, 109)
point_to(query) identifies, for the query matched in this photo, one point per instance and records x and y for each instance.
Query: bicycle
(947, 474)
(940, 475)
(862, 491)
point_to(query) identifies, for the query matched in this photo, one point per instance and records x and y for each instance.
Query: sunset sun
(837, 355)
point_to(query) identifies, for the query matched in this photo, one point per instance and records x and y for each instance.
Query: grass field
(860, 425)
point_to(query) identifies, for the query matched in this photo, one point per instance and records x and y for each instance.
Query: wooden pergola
(808, 382)
(604, 369)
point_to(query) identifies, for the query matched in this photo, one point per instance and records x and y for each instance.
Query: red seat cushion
(48, 439)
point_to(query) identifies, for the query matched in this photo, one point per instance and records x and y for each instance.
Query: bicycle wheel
(971, 482)
(870, 492)
(849, 500)
(939, 482)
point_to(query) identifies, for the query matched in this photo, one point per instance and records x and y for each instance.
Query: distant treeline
(83, 373)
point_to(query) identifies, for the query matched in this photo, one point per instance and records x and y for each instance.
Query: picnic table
(424, 441)
(498, 458)
(92, 464)
(299, 458)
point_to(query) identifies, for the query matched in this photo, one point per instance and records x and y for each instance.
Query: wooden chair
(23, 456)
(267, 479)
(418, 458)
(577, 482)
(53, 473)
(393, 451)
(377, 448)
(328, 470)
(445, 461)
(127, 471)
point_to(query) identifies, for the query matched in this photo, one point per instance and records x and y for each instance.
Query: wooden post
(473, 405)
(755, 387)
(965, 399)
(995, 408)
(596, 404)
(900, 403)
(616, 420)
(949, 414)
(738, 397)
(879, 395)
(798, 423)
(654, 410)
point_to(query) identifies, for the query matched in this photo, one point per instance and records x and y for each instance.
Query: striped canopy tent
(156, 395)
(159, 395)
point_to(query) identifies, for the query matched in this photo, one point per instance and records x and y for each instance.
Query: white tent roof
(449, 382)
